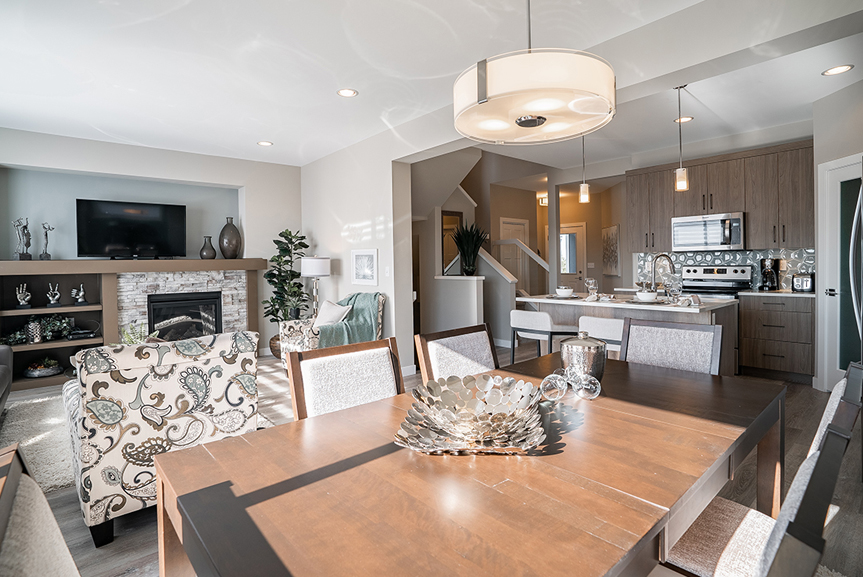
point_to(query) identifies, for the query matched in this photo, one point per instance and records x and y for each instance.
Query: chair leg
(512, 349)
(550, 343)
(538, 348)
(103, 533)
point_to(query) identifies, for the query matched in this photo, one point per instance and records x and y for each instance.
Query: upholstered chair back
(460, 352)
(609, 330)
(534, 320)
(131, 403)
(337, 378)
(829, 412)
(685, 347)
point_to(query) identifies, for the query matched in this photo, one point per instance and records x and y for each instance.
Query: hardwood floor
(134, 550)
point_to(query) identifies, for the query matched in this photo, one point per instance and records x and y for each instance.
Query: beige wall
(614, 212)
(837, 122)
(269, 194)
(509, 202)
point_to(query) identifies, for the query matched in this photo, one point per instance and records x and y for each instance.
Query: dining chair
(609, 330)
(681, 346)
(538, 326)
(457, 352)
(31, 544)
(732, 539)
(336, 378)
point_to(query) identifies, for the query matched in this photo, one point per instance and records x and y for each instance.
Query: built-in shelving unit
(56, 344)
(49, 310)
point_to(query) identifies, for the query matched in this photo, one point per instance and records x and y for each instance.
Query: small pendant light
(584, 189)
(681, 178)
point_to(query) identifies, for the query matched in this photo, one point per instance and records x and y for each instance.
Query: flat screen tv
(130, 229)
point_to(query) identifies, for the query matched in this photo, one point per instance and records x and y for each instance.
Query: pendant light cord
(679, 126)
(529, 42)
(582, 161)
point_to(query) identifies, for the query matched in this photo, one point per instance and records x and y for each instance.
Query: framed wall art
(364, 266)
(611, 250)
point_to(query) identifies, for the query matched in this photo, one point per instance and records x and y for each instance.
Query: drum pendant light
(681, 178)
(534, 96)
(584, 189)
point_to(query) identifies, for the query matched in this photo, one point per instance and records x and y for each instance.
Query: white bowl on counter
(563, 291)
(647, 297)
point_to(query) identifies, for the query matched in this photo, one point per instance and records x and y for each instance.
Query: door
(638, 211)
(838, 333)
(761, 176)
(573, 255)
(511, 256)
(661, 185)
(725, 188)
(693, 202)
(796, 199)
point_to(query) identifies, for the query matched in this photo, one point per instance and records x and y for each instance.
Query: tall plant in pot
(289, 297)
(468, 240)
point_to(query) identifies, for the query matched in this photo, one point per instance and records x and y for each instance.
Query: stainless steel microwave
(707, 232)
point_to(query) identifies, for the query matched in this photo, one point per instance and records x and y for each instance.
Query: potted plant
(288, 298)
(468, 241)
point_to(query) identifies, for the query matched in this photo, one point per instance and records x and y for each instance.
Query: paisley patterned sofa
(131, 403)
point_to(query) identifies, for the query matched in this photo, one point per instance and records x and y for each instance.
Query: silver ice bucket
(586, 354)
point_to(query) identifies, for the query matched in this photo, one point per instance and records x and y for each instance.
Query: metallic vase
(207, 251)
(585, 353)
(34, 332)
(230, 241)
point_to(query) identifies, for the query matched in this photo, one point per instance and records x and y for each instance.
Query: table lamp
(315, 267)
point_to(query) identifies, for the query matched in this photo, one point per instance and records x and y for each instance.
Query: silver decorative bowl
(473, 415)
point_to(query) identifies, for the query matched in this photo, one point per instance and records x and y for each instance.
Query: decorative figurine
(22, 249)
(46, 228)
(23, 297)
(78, 293)
(53, 293)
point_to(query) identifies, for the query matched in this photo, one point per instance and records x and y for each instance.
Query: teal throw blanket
(359, 326)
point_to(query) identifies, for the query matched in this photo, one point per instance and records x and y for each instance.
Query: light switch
(387, 271)
(590, 265)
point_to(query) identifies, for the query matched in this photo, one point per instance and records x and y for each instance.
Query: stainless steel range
(716, 281)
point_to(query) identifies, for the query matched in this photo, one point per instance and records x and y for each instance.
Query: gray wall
(50, 197)
(837, 122)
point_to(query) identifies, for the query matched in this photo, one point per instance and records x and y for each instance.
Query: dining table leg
(173, 561)
(771, 465)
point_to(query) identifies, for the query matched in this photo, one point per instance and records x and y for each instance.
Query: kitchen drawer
(776, 326)
(777, 303)
(777, 356)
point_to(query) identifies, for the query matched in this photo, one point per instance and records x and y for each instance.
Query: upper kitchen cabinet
(693, 202)
(661, 186)
(762, 199)
(796, 199)
(638, 212)
(725, 188)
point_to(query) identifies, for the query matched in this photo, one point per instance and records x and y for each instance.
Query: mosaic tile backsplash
(799, 260)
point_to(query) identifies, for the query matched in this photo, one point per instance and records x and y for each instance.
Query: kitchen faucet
(655, 262)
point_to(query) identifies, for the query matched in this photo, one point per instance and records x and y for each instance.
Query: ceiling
(216, 77)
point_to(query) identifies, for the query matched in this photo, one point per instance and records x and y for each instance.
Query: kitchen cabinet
(796, 199)
(762, 198)
(693, 202)
(638, 212)
(777, 333)
(661, 187)
(725, 187)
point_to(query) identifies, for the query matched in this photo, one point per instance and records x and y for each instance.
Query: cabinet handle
(783, 233)
(773, 304)
(774, 233)
(776, 356)
(711, 201)
(773, 326)
(645, 240)
(652, 240)
(703, 202)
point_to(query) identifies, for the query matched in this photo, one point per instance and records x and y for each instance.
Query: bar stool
(609, 330)
(536, 325)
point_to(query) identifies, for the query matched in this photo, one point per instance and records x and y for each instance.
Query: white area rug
(823, 571)
(39, 427)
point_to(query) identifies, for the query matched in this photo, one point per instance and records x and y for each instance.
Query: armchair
(131, 403)
(5, 374)
(363, 323)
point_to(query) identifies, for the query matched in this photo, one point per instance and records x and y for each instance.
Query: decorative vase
(468, 270)
(208, 251)
(230, 241)
(293, 314)
(34, 332)
(276, 347)
(586, 354)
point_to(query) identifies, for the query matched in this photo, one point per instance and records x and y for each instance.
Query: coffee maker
(770, 268)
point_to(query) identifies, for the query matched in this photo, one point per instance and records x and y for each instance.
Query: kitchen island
(711, 312)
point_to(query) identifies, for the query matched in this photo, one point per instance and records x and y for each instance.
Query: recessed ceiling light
(837, 70)
(684, 119)
(347, 92)
(265, 143)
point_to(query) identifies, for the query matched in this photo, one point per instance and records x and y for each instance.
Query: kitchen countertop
(707, 304)
(779, 293)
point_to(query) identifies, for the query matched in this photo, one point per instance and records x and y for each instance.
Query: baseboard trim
(409, 370)
(505, 343)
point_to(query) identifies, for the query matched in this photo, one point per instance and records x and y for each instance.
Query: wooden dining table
(616, 482)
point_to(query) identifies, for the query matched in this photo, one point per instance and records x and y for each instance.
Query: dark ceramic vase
(293, 314)
(230, 241)
(208, 251)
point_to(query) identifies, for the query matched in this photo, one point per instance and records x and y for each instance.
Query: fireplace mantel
(94, 266)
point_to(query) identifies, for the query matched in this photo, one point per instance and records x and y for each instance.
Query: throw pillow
(330, 313)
